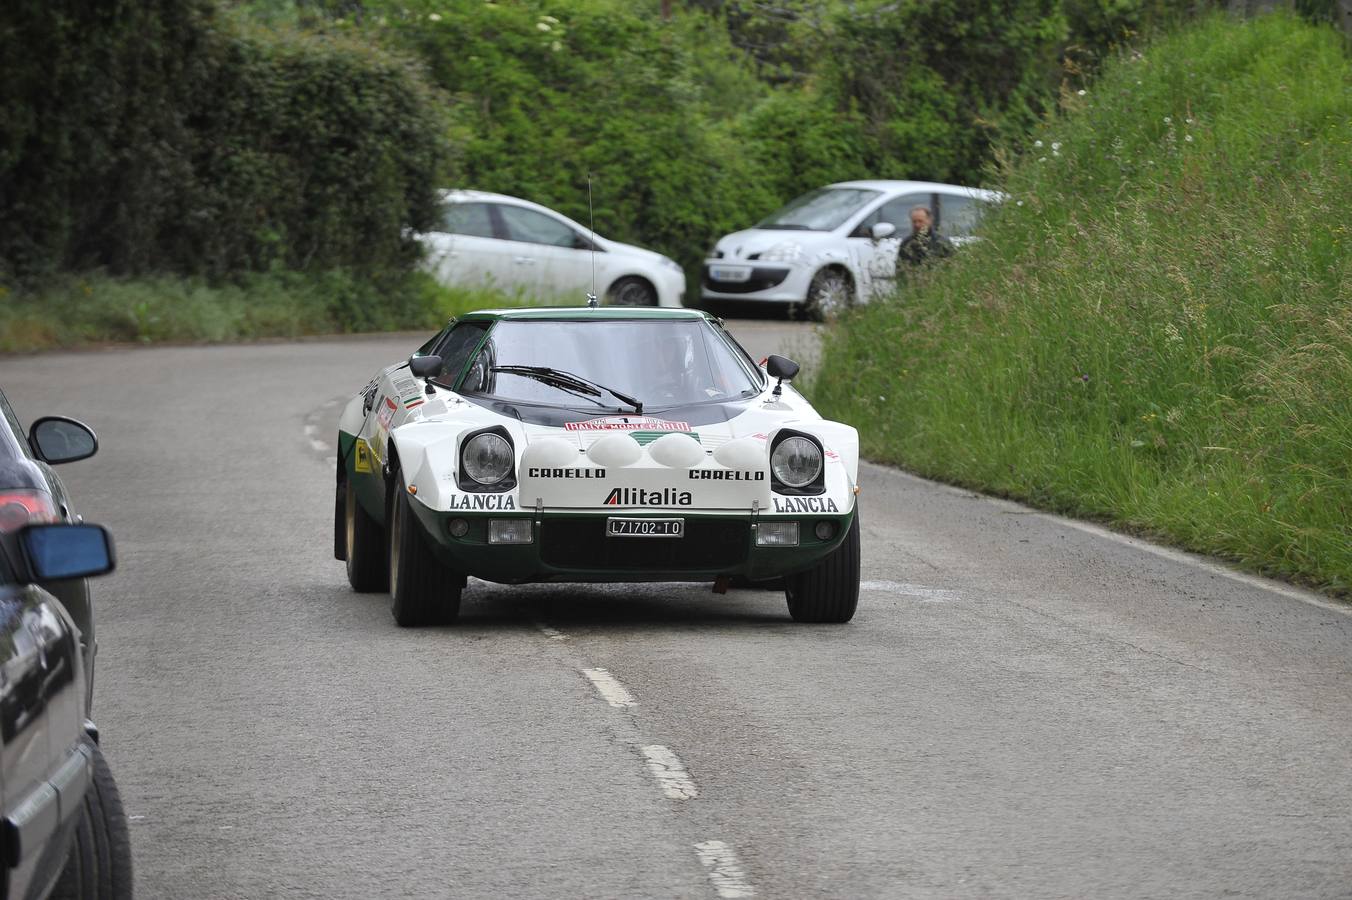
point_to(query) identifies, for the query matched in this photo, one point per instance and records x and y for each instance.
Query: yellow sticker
(363, 457)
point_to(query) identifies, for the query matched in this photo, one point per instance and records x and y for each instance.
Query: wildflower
(1081, 92)
(1037, 143)
(550, 19)
(1056, 145)
(1019, 203)
(434, 17)
(1085, 377)
(543, 26)
(1168, 121)
(555, 46)
(1188, 138)
(1042, 159)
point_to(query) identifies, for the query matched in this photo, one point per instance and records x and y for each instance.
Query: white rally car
(593, 445)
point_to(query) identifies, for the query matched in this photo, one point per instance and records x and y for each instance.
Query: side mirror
(781, 367)
(424, 366)
(56, 439)
(882, 230)
(55, 552)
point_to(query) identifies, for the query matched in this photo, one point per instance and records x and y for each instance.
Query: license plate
(729, 273)
(654, 528)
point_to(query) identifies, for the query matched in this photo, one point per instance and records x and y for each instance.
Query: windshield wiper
(569, 381)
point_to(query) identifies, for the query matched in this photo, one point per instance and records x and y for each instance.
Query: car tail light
(24, 507)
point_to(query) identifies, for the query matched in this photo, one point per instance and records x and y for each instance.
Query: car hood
(740, 245)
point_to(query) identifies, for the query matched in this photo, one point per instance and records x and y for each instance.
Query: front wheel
(829, 591)
(423, 591)
(99, 864)
(829, 295)
(364, 546)
(631, 291)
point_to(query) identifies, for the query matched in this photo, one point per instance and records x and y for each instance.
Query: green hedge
(159, 136)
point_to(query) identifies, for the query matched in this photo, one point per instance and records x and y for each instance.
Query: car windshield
(824, 209)
(579, 363)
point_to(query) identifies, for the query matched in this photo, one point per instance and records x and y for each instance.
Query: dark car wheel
(367, 563)
(632, 291)
(829, 591)
(829, 295)
(424, 591)
(99, 864)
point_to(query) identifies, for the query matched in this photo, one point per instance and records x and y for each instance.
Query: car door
(874, 260)
(42, 763)
(468, 251)
(552, 252)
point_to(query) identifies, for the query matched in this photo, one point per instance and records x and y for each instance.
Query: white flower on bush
(1188, 138)
(543, 26)
(1168, 120)
(1042, 159)
(550, 19)
(1037, 143)
(1056, 145)
(1081, 92)
(555, 46)
(434, 17)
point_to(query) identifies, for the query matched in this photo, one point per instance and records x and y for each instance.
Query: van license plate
(654, 528)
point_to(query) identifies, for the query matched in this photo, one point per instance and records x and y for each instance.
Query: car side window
(898, 212)
(531, 227)
(455, 350)
(473, 219)
(959, 216)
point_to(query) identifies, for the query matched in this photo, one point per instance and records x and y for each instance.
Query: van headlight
(789, 252)
(489, 461)
(796, 461)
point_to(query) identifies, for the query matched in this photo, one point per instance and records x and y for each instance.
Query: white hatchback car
(835, 245)
(529, 249)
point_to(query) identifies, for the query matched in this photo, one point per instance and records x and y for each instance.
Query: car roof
(932, 187)
(583, 313)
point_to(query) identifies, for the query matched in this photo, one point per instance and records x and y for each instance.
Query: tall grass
(1157, 330)
(79, 310)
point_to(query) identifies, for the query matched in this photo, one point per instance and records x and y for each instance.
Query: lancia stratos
(593, 445)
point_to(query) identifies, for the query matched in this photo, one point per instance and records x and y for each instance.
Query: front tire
(829, 295)
(367, 566)
(829, 591)
(423, 591)
(99, 864)
(631, 291)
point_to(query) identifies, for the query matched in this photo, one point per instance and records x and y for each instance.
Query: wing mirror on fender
(424, 367)
(55, 552)
(882, 230)
(57, 439)
(780, 367)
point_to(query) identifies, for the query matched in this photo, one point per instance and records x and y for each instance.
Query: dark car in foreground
(64, 833)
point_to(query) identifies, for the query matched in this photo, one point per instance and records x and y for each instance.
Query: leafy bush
(1156, 329)
(156, 136)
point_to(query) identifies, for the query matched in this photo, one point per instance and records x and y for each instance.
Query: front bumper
(571, 545)
(770, 282)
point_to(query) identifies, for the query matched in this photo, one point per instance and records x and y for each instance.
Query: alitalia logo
(623, 496)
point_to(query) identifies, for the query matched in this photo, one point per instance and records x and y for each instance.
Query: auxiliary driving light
(824, 530)
(458, 527)
(509, 531)
(777, 534)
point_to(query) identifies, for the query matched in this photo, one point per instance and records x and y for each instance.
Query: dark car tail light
(24, 507)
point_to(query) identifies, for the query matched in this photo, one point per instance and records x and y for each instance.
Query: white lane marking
(614, 693)
(918, 591)
(725, 869)
(1179, 556)
(552, 633)
(666, 767)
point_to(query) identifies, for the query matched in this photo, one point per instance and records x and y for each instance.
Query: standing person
(923, 245)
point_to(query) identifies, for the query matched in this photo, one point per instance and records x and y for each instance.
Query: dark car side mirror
(55, 552)
(424, 366)
(56, 440)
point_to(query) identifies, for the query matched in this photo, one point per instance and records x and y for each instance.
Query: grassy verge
(82, 310)
(1157, 331)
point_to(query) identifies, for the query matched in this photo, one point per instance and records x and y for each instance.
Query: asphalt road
(1023, 706)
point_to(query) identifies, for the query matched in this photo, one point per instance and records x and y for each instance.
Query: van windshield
(824, 209)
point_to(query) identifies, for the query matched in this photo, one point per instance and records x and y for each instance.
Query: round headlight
(796, 462)
(488, 458)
